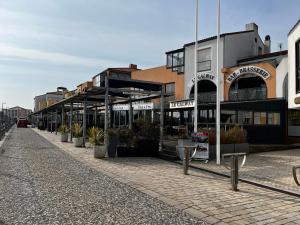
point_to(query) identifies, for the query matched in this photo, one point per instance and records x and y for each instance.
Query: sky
(49, 43)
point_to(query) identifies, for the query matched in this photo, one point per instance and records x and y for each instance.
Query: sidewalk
(273, 169)
(200, 194)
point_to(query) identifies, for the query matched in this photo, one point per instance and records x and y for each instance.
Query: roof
(215, 37)
(264, 56)
(118, 70)
(294, 27)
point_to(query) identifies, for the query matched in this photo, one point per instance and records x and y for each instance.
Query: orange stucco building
(163, 75)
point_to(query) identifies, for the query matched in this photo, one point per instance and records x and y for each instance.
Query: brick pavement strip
(200, 194)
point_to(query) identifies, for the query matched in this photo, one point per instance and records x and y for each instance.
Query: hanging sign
(182, 104)
(200, 139)
(246, 70)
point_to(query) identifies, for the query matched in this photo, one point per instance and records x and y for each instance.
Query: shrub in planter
(96, 138)
(63, 129)
(77, 135)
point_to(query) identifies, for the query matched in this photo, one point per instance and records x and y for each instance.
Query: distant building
(48, 99)
(18, 112)
(122, 72)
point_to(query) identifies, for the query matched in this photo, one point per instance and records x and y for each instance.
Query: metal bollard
(186, 160)
(295, 168)
(234, 168)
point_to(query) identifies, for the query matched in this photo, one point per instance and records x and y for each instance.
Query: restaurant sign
(182, 104)
(135, 106)
(248, 70)
(202, 76)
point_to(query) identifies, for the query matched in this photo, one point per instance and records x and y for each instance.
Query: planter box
(99, 151)
(64, 137)
(78, 142)
(144, 148)
(229, 148)
(113, 142)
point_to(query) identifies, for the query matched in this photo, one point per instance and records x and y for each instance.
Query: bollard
(295, 168)
(234, 168)
(186, 160)
(234, 172)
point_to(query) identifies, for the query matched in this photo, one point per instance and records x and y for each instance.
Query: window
(298, 66)
(260, 118)
(245, 117)
(204, 59)
(175, 61)
(170, 88)
(274, 118)
(228, 116)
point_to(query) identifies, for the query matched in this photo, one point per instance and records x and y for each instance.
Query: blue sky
(50, 43)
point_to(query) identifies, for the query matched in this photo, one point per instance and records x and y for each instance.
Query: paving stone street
(203, 195)
(40, 184)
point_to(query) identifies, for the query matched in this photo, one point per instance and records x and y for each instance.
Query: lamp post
(195, 73)
(2, 113)
(218, 107)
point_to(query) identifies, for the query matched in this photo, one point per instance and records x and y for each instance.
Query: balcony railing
(206, 96)
(248, 94)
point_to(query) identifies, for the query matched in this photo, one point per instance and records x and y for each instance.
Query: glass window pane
(245, 117)
(260, 118)
(228, 117)
(274, 118)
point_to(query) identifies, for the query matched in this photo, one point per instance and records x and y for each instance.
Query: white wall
(293, 37)
(281, 73)
(190, 63)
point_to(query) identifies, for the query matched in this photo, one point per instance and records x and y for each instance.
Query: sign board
(135, 106)
(200, 139)
(182, 104)
(202, 76)
(246, 70)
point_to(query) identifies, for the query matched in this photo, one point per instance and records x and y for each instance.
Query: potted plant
(63, 129)
(77, 135)
(96, 138)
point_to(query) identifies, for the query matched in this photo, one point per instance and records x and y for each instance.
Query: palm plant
(96, 135)
(63, 129)
(77, 130)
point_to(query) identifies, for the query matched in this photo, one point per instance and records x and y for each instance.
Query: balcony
(248, 94)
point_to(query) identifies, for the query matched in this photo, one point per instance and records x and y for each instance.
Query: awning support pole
(84, 122)
(71, 121)
(162, 112)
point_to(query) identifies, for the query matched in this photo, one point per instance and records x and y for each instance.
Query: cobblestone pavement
(200, 194)
(40, 184)
(269, 168)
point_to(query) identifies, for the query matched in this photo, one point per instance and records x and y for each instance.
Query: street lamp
(2, 113)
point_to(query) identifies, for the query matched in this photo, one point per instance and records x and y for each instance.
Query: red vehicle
(22, 123)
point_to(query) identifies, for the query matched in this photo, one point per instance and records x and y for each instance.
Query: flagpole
(195, 73)
(218, 111)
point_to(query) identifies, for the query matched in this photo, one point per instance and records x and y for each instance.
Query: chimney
(252, 26)
(132, 66)
(267, 44)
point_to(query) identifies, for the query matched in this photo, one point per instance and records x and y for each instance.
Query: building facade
(18, 112)
(48, 99)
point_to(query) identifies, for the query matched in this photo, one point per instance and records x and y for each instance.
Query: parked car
(22, 123)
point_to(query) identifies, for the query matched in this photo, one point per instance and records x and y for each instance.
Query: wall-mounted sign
(248, 70)
(135, 106)
(182, 104)
(202, 76)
